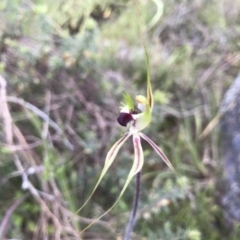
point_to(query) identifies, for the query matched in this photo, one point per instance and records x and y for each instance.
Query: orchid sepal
(127, 104)
(111, 155)
(142, 120)
(149, 92)
(149, 85)
(136, 167)
(158, 151)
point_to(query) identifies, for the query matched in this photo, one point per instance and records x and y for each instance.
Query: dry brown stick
(45, 130)
(28, 154)
(43, 116)
(29, 146)
(58, 225)
(9, 131)
(7, 120)
(40, 227)
(8, 214)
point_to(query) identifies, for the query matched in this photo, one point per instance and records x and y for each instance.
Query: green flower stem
(132, 218)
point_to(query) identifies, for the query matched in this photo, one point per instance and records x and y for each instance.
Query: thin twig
(43, 116)
(8, 214)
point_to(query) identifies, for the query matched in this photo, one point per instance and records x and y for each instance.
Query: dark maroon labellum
(124, 119)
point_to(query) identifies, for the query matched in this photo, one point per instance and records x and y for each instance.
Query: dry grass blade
(210, 127)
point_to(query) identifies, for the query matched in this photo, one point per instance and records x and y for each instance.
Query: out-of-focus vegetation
(72, 60)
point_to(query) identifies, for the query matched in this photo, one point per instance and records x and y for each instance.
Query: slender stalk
(132, 218)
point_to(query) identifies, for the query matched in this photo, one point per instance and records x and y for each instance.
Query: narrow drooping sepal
(108, 162)
(113, 152)
(136, 167)
(149, 92)
(158, 151)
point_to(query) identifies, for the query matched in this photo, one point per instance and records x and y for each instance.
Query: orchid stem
(132, 218)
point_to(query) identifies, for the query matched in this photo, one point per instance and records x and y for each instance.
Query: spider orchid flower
(137, 120)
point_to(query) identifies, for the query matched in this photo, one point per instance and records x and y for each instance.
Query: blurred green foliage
(73, 59)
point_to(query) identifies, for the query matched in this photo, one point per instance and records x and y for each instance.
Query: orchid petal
(108, 162)
(158, 151)
(138, 155)
(136, 167)
(141, 99)
(142, 120)
(128, 101)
